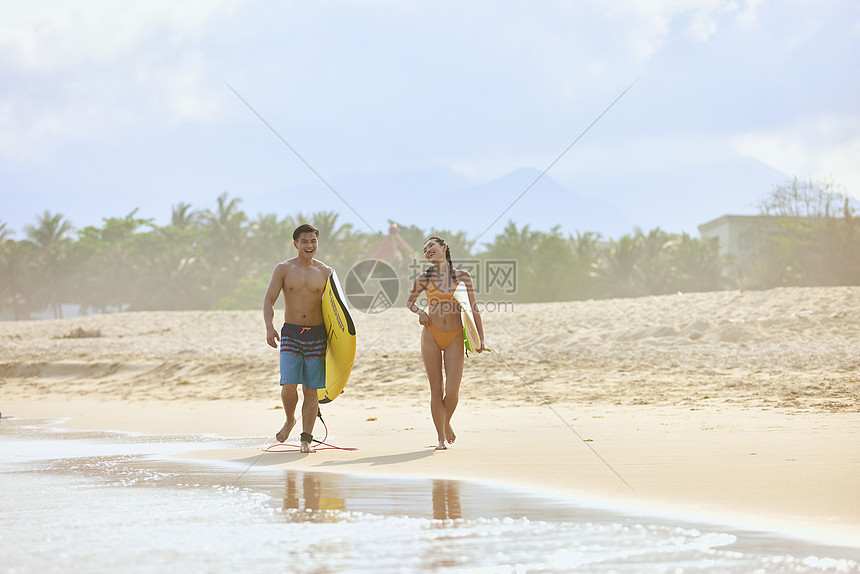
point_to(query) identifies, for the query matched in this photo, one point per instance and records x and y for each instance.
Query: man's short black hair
(305, 228)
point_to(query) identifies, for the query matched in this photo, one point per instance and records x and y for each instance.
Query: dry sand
(741, 405)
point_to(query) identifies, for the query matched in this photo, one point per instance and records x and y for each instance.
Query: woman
(442, 336)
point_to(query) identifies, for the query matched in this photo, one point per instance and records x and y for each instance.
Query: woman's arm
(417, 287)
(466, 278)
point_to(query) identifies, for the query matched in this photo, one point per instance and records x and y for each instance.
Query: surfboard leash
(562, 419)
(284, 447)
(325, 446)
(320, 444)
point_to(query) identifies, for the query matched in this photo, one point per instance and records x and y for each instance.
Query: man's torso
(303, 288)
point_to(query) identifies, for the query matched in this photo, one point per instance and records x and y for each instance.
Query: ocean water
(120, 503)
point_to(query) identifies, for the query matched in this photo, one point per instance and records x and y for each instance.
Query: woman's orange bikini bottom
(444, 338)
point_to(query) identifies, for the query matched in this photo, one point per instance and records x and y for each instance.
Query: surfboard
(470, 331)
(340, 354)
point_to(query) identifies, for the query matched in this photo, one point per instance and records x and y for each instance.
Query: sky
(657, 112)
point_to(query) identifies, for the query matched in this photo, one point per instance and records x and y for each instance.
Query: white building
(738, 235)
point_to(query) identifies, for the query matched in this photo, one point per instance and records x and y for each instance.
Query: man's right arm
(276, 285)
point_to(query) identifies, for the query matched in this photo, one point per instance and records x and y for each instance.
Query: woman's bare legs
(444, 394)
(432, 358)
(454, 357)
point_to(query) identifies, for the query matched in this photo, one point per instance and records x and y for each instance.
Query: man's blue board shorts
(303, 355)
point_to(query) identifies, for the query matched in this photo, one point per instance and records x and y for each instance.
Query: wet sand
(730, 404)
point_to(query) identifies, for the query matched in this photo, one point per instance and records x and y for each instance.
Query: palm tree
(618, 266)
(652, 267)
(227, 216)
(326, 223)
(178, 278)
(585, 245)
(587, 282)
(518, 250)
(226, 246)
(340, 246)
(696, 265)
(554, 268)
(16, 262)
(52, 242)
(118, 256)
(270, 241)
(5, 241)
(183, 216)
(7, 279)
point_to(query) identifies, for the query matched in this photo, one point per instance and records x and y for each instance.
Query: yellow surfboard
(470, 331)
(340, 329)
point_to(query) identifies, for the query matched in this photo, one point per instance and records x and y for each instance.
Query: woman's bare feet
(441, 445)
(306, 447)
(283, 434)
(449, 434)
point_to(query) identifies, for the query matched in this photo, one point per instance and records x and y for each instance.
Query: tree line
(222, 258)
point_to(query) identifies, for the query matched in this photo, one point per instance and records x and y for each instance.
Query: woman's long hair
(441, 242)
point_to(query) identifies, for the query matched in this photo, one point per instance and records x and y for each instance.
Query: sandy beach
(742, 405)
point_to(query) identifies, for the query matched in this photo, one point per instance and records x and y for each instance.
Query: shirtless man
(303, 336)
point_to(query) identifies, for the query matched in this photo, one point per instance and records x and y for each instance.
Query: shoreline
(696, 466)
(736, 404)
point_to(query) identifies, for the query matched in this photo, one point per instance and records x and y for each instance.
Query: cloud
(86, 71)
(90, 72)
(649, 24)
(53, 36)
(816, 146)
(747, 16)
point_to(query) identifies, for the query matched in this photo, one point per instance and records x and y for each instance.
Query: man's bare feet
(449, 434)
(441, 445)
(306, 439)
(283, 434)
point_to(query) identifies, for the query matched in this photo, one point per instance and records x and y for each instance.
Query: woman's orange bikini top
(434, 296)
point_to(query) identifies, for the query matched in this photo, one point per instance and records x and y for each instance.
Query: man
(302, 279)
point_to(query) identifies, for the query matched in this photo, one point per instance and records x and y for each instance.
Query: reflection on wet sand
(446, 500)
(105, 480)
(310, 497)
(314, 503)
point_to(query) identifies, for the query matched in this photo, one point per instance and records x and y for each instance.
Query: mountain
(526, 197)
(440, 199)
(677, 199)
